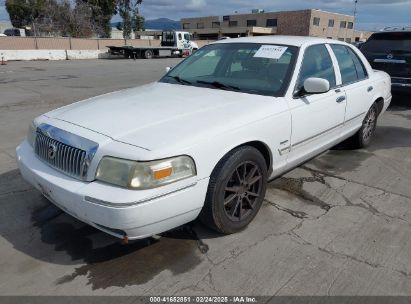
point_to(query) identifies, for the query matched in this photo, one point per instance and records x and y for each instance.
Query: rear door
(355, 83)
(390, 52)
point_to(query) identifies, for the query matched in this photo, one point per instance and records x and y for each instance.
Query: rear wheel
(364, 136)
(148, 54)
(236, 191)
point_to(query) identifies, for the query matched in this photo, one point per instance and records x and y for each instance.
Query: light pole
(355, 17)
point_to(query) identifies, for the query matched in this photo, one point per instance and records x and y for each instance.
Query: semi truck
(173, 43)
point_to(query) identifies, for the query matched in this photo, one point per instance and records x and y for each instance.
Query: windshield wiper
(219, 85)
(180, 80)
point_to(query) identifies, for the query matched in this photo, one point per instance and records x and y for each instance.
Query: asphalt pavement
(337, 225)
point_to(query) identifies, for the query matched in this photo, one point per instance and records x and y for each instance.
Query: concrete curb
(86, 54)
(11, 55)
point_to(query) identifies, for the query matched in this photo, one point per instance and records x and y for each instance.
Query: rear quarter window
(359, 66)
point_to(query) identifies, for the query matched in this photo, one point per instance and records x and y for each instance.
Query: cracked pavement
(337, 225)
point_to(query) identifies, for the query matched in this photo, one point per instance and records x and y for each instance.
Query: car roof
(392, 32)
(279, 39)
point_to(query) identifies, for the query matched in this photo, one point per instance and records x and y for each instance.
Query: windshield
(388, 42)
(238, 67)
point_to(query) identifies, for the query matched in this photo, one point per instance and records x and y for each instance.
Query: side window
(346, 63)
(317, 63)
(359, 66)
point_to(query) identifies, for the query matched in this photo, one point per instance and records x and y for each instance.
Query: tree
(129, 12)
(49, 17)
(138, 22)
(25, 13)
(19, 11)
(75, 18)
(102, 11)
(124, 13)
(75, 22)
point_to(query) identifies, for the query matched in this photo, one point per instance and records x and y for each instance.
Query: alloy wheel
(242, 191)
(369, 124)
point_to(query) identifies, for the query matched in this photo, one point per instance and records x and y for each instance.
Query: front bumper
(117, 211)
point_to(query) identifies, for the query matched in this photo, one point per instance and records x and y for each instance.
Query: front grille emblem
(52, 151)
(61, 150)
(390, 56)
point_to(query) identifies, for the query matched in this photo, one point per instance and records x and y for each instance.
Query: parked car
(205, 139)
(390, 51)
(15, 32)
(2, 35)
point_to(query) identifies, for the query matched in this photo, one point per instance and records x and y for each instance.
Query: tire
(148, 54)
(364, 136)
(233, 201)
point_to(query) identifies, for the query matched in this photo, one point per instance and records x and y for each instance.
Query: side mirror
(168, 69)
(314, 85)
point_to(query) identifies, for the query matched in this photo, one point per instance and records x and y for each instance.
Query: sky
(371, 14)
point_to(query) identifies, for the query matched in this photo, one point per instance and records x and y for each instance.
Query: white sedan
(205, 139)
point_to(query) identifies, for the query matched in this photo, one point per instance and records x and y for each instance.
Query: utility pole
(355, 8)
(355, 16)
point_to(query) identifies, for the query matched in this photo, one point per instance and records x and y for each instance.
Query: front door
(317, 119)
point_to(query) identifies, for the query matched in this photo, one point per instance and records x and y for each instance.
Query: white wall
(52, 54)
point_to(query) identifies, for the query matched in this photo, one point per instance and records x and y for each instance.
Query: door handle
(370, 89)
(340, 99)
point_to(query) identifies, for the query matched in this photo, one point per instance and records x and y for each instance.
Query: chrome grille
(63, 157)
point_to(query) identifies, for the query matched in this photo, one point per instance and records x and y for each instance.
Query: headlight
(31, 134)
(145, 175)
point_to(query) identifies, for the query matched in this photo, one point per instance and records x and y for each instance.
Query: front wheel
(236, 191)
(364, 136)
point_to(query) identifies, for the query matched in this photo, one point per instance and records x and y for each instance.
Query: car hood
(161, 114)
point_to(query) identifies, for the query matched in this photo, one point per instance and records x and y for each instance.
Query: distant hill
(162, 24)
(156, 24)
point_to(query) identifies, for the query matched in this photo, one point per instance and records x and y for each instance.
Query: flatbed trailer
(173, 44)
(144, 52)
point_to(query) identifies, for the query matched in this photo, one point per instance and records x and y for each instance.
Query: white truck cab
(180, 40)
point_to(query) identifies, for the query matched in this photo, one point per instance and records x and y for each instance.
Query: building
(118, 34)
(310, 22)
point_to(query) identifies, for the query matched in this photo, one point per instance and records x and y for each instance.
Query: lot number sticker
(270, 51)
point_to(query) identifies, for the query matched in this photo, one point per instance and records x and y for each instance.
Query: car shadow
(37, 228)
